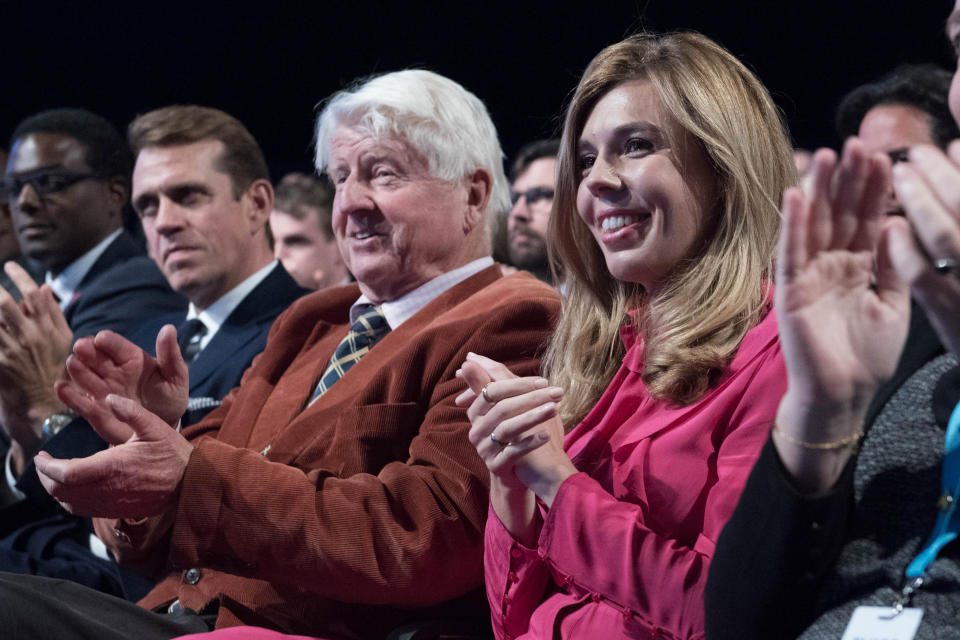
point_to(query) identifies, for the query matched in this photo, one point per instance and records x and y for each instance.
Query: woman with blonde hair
(609, 489)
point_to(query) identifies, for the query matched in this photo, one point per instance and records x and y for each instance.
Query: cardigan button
(512, 577)
(191, 576)
(515, 551)
(596, 597)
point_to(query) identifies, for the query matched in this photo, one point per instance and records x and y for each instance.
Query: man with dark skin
(9, 247)
(67, 182)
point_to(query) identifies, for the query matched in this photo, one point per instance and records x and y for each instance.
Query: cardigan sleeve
(379, 538)
(142, 543)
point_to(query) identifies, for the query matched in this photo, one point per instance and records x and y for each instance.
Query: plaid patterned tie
(369, 327)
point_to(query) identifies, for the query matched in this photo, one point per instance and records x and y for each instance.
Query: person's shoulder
(516, 288)
(124, 264)
(272, 295)
(330, 305)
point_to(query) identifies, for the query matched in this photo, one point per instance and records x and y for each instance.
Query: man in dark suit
(307, 502)
(202, 188)
(235, 289)
(67, 182)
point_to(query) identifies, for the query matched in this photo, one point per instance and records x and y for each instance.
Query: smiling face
(59, 227)
(643, 199)
(397, 226)
(204, 240)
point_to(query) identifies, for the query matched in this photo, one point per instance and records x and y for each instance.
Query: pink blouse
(624, 550)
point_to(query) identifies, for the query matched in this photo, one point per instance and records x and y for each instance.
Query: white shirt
(67, 282)
(403, 308)
(217, 313)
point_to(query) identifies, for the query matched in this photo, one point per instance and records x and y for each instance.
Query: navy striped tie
(189, 336)
(369, 327)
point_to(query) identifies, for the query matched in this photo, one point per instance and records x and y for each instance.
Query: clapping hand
(926, 246)
(135, 479)
(515, 427)
(842, 322)
(34, 343)
(110, 364)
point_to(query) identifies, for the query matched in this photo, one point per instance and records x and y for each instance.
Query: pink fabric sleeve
(603, 546)
(243, 633)
(515, 577)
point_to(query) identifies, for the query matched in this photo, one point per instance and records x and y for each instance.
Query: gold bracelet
(853, 438)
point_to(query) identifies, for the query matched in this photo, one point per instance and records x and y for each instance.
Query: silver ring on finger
(499, 443)
(486, 396)
(945, 266)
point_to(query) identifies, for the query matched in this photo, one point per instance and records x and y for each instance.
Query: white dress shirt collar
(217, 313)
(403, 308)
(67, 282)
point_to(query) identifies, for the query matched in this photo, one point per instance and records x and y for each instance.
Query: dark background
(269, 63)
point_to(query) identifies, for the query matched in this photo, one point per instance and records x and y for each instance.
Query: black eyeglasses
(532, 195)
(44, 181)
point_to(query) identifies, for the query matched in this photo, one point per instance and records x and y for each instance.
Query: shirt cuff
(8, 490)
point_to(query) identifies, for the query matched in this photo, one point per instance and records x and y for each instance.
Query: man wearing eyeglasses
(10, 248)
(67, 182)
(533, 177)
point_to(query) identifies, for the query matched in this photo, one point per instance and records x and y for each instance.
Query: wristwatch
(54, 423)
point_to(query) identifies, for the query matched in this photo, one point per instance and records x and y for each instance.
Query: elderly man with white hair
(306, 503)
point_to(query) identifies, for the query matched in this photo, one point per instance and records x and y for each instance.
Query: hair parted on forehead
(242, 158)
(693, 326)
(436, 116)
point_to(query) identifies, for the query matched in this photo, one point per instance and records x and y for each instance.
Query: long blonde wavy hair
(694, 323)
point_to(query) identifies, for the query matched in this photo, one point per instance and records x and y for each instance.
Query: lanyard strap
(948, 520)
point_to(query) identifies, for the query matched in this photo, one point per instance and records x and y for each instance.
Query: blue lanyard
(948, 520)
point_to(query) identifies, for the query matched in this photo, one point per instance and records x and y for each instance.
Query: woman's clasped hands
(516, 430)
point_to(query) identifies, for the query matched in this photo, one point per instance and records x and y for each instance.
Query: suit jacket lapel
(120, 249)
(243, 324)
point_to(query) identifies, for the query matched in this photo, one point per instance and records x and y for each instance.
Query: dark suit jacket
(41, 539)
(342, 518)
(121, 289)
(774, 553)
(218, 368)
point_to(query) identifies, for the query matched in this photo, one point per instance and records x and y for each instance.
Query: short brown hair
(176, 125)
(294, 196)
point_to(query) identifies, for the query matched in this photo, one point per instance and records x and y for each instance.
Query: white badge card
(883, 623)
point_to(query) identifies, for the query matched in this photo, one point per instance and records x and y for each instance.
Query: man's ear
(479, 185)
(118, 190)
(258, 203)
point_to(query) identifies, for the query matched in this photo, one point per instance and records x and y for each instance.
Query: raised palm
(842, 310)
(110, 364)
